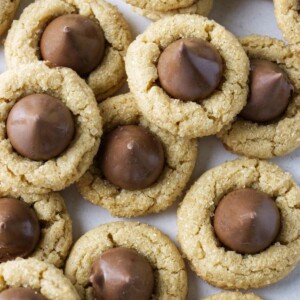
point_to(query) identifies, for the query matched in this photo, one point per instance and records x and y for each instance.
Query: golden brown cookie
(55, 226)
(38, 276)
(283, 135)
(22, 43)
(180, 157)
(155, 10)
(168, 266)
(233, 296)
(22, 175)
(8, 9)
(288, 19)
(228, 269)
(187, 119)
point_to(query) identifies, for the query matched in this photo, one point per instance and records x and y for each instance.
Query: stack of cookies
(134, 154)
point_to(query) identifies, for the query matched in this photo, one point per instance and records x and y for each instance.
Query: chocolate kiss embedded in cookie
(21, 293)
(190, 69)
(122, 274)
(19, 229)
(270, 92)
(131, 157)
(247, 221)
(40, 127)
(73, 41)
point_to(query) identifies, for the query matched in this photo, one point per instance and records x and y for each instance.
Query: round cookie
(282, 136)
(187, 119)
(22, 43)
(22, 175)
(161, 5)
(288, 19)
(41, 277)
(233, 296)
(8, 9)
(55, 226)
(167, 264)
(155, 11)
(228, 269)
(180, 156)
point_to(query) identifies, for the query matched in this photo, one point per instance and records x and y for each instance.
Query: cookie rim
(117, 36)
(163, 277)
(160, 5)
(233, 296)
(193, 249)
(200, 7)
(258, 47)
(5, 23)
(100, 192)
(288, 19)
(46, 271)
(21, 175)
(140, 63)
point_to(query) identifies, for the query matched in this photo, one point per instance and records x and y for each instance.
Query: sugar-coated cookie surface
(180, 156)
(154, 13)
(281, 136)
(165, 259)
(187, 119)
(42, 277)
(288, 19)
(233, 296)
(8, 9)
(22, 43)
(228, 269)
(21, 175)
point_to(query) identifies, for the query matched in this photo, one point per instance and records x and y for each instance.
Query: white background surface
(242, 17)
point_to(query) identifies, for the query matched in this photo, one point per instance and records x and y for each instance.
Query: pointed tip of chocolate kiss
(67, 29)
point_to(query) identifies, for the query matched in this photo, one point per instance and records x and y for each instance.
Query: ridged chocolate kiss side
(40, 127)
(247, 221)
(122, 274)
(131, 157)
(270, 92)
(73, 41)
(190, 69)
(19, 229)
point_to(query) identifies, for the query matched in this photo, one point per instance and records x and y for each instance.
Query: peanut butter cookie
(34, 279)
(270, 125)
(48, 234)
(233, 296)
(180, 158)
(188, 75)
(170, 278)
(8, 9)
(51, 128)
(155, 10)
(288, 19)
(90, 37)
(268, 246)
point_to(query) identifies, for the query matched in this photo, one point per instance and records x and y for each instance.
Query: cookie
(155, 10)
(288, 19)
(180, 159)
(8, 9)
(214, 262)
(226, 95)
(282, 135)
(49, 228)
(167, 264)
(22, 45)
(20, 174)
(28, 277)
(233, 296)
